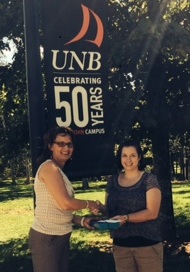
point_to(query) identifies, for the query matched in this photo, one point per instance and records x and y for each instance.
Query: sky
(6, 55)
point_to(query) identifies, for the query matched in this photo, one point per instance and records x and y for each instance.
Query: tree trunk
(13, 172)
(160, 146)
(27, 173)
(85, 184)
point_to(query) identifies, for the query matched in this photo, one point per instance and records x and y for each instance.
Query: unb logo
(85, 26)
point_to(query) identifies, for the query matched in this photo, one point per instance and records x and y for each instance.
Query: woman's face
(62, 148)
(129, 158)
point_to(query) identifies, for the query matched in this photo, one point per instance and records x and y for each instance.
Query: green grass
(90, 250)
(181, 199)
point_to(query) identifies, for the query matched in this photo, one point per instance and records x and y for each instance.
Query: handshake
(94, 206)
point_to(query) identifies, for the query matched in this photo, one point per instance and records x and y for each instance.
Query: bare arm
(104, 207)
(51, 176)
(153, 201)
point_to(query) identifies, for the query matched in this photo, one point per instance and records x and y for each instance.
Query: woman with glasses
(49, 237)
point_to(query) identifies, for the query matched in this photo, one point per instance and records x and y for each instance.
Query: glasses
(63, 144)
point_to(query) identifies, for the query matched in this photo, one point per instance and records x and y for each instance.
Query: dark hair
(50, 137)
(138, 148)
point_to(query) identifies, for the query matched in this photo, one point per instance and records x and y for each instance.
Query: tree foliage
(149, 49)
(150, 91)
(13, 104)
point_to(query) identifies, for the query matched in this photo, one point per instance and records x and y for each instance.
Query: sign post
(36, 110)
(76, 76)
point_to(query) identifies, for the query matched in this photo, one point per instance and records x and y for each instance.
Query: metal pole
(36, 109)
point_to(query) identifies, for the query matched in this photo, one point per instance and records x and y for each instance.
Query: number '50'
(70, 112)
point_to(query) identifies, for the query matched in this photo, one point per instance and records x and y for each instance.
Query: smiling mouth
(65, 153)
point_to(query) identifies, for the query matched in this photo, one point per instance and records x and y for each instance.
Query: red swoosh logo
(85, 26)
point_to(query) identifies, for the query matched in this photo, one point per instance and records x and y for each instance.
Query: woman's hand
(97, 209)
(94, 205)
(122, 218)
(85, 222)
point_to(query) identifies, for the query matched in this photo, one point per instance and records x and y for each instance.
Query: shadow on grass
(91, 259)
(182, 226)
(11, 192)
(177, 257)
(21, 190)
(15, 257)
(182, 192)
